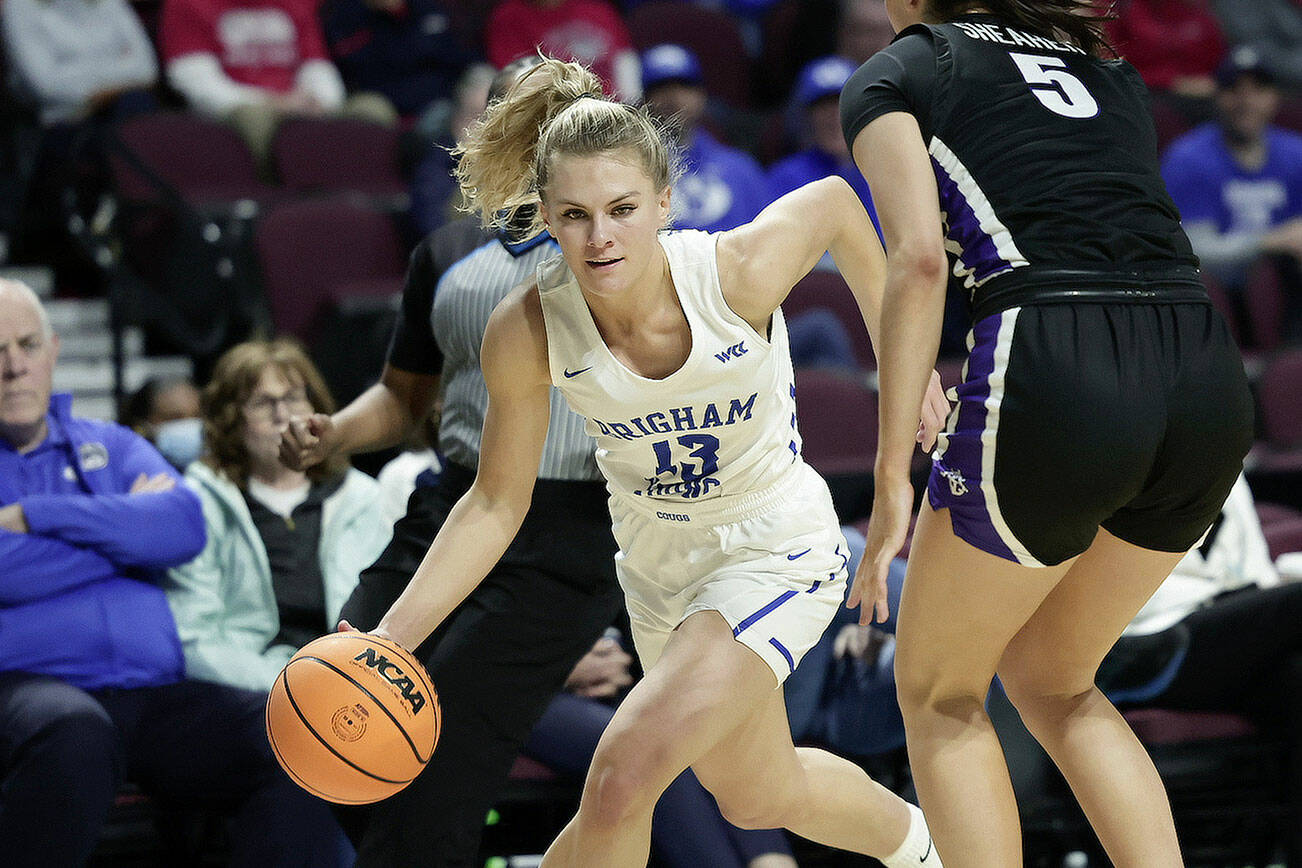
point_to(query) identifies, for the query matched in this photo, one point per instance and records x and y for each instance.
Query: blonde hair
(553, 108)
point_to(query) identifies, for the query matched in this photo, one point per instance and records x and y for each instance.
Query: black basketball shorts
(1128, 416)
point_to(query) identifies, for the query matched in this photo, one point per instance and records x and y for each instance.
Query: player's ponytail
(1075, 21)
(553, 108)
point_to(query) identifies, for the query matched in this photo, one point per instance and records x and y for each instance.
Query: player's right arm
(486, 518)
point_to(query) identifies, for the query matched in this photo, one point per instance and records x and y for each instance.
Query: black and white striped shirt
(455, 279)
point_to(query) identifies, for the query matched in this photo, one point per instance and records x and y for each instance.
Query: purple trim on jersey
(969, 514)
(980, 254)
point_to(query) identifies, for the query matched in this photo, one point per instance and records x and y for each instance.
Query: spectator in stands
(405, 50)
(74, 62)
(863, 29)
(816, 98)
(588, 31)
(1221, 634)
(73, 58)
(1273, 28)
(721, 187)
(165, 411)
(1175, 44)
(254, 62)
(853, 29)
(435, 197)
(1238, 181)
(92, 687)
(284, 547)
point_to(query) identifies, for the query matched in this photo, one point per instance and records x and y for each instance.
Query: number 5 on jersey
(1056, 88)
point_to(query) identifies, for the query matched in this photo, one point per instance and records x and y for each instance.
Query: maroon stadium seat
(202, 160)
(838, 421)
(712, 35)
(308, 250)
(338, 154)
(827, 289)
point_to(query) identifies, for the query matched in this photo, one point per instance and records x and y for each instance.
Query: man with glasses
(92, 678)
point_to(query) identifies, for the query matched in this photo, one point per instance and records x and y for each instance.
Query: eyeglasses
(264, 406)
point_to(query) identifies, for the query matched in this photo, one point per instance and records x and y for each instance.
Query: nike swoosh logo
(799, 554)
(928, 853)
(569, 373)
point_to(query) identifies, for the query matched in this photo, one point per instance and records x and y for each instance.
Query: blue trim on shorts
(751, 619)
(791, 662)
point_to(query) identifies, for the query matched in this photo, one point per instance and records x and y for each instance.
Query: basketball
(353, 718)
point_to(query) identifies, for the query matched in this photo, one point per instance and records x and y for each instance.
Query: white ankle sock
(917, 848)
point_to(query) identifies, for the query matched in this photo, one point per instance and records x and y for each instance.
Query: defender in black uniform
(1103, 416)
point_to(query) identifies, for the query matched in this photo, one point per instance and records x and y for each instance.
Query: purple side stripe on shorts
(752, 618)
(969, 513)
(791, 661)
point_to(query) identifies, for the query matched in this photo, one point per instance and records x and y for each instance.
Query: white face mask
(180, 441)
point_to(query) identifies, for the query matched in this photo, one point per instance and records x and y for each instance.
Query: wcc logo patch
(736, 351)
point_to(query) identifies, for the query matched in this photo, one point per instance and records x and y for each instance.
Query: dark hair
(138, 407)
(1079, 22)
(234, 380)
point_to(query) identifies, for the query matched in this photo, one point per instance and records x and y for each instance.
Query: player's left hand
(887, 529)
(934, 412)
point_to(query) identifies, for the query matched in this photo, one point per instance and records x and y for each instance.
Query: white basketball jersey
(722, 424)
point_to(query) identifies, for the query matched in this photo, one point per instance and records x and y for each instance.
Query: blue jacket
(811, 164)
(721, 187)
(80, 593)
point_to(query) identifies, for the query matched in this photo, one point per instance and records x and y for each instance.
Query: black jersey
(1045, 157)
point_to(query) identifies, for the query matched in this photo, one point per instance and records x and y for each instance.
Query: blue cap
(669, 62)
(1244, 60)
(822, 78)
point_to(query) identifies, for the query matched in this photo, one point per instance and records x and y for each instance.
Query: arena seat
(1226, 785)
(1263, 297)
(827, 289)
(207, 163)
(838, 426)
(308, 250)
(334, 154)
(711, 34)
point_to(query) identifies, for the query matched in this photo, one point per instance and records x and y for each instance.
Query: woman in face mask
(284, 546)
(165, 411)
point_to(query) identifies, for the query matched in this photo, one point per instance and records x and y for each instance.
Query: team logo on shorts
(957, 484)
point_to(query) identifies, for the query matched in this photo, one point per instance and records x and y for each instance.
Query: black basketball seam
(290, 696)
(298, 779)
(342, 674)
(426, 682)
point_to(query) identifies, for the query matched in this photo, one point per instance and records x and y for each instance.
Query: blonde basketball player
(674, 349)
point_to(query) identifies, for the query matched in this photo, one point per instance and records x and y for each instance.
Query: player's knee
(1043, 697)
(922, 698)
(758, 811)
(1039, 687)
(619, 786)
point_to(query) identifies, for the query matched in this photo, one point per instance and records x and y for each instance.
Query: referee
(506, 651)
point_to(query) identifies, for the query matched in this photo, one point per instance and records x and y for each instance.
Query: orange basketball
(353, 718)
